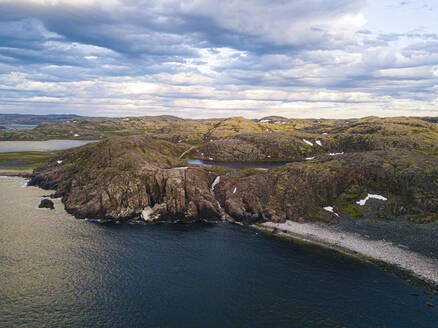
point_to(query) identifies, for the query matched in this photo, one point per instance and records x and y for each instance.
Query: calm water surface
(56, 271)
(18, 126)
(19, 146)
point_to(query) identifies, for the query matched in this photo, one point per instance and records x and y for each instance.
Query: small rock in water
(46, 203)
(429, 304)
(415, 294)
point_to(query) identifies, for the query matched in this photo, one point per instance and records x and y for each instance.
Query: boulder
(46, 203)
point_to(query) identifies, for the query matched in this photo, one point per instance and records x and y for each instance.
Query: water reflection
(18, 126)
(20, 146)
(56, 271)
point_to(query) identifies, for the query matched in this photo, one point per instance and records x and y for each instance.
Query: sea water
(57, 271)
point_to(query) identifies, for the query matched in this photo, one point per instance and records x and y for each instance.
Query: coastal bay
(361, 193)
(62, 271)
(218, 164)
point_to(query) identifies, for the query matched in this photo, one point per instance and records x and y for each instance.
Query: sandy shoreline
(419, 266)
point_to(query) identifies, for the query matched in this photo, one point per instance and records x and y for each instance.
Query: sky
(206, 58)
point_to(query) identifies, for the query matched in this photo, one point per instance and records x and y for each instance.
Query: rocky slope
(394, 159)
(301, 191)
(297, 146)
(122, 177)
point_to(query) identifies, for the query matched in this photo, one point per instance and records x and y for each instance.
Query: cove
(59, 271)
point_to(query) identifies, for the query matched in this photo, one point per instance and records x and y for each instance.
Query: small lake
(56, 271)
(19, 146)
(19, 126)
(238, 165)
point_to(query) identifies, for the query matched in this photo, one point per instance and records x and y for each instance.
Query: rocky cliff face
(301, 191)
(121, 177)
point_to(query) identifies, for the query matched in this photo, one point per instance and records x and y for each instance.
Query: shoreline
(408, 265)
(16, 173)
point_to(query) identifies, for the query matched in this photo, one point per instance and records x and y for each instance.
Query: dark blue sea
(56, 271)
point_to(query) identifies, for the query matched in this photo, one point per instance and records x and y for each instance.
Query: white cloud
(209, 58)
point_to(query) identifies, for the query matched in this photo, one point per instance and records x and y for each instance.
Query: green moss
(214, 171)
(248, 171)
(379, 216)
(357, 212)
(423, 218)
(352, 210)
(25, 160)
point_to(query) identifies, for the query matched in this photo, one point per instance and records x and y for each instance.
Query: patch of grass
(423, 218)
(25, 160)
(248, 171)
(217, 170)
(357, 212)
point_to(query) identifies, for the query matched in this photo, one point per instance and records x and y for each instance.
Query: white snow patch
(235, 190)
(325, 133)
(319, 143)
(215, 182)
(308, 142)
(59, 162)
(334, 154)
(331, 210)
(180, 168)
(309, 158)
(76, 135)
(363, 201)
(265, 121)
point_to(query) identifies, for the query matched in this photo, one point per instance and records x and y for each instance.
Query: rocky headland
(333, 166)
(381, 169)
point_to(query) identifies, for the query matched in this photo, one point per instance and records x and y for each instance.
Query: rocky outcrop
(297, 146)
(46, 203)
(301, 191)
(121, 177)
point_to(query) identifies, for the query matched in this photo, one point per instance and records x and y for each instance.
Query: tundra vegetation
(138, 169)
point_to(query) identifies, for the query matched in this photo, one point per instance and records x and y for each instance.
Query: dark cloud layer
(208, 58)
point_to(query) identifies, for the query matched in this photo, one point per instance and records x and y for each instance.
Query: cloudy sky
(207, 58)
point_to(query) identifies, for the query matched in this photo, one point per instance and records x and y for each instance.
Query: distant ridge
(31, 119)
